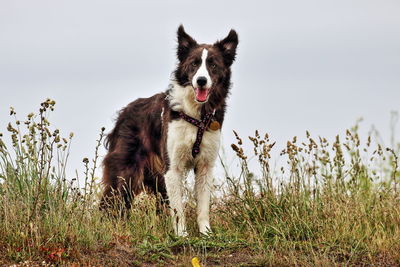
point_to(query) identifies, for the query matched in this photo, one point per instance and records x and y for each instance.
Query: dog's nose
(201, 81)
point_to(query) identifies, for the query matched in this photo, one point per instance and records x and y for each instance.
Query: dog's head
(205, 68)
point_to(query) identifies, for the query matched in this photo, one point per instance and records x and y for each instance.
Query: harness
(201, 125)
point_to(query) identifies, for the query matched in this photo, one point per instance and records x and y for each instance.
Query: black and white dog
(158, 140)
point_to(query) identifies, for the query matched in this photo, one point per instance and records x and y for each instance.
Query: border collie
(157, 140)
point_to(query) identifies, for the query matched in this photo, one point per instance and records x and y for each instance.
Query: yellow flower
(196, 262)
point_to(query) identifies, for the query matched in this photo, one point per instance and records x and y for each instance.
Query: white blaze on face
(202, 72)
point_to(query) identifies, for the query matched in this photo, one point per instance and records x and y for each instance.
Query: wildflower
(196, 262)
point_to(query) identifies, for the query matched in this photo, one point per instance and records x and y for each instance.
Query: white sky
(316, 65)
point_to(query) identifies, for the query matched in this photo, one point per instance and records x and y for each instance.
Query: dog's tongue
(201, 94)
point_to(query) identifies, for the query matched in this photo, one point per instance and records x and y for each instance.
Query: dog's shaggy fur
(151, 145)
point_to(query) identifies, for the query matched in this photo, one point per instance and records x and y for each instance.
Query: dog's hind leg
(110, 199)
(122, 182)
(155, 184)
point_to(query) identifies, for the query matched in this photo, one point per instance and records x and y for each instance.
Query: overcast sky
(316, 65)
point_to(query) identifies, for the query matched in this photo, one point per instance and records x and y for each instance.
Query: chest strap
(201, 125)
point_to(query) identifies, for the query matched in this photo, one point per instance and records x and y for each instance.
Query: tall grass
(42, 213)
(334, 202)
(331, 203)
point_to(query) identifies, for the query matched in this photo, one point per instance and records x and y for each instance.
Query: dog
(156, 141)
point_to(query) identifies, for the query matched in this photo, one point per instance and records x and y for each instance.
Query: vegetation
(330, 204)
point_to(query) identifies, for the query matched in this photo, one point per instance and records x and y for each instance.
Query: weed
(330, 203)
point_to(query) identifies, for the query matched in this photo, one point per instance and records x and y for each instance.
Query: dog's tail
(110, 140)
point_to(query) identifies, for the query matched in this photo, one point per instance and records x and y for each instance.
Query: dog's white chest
(180, 140)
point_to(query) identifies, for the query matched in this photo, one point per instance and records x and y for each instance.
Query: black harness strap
(201, 125)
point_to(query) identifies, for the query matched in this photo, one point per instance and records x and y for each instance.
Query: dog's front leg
(173, 182)
(203, 186)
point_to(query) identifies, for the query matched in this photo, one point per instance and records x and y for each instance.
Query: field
(332, 203)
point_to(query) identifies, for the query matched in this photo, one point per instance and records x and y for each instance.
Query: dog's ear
(185, 43)
(228, 47)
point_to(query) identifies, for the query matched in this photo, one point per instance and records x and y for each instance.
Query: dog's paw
(204, 227)
(206, 232)
(182, 233)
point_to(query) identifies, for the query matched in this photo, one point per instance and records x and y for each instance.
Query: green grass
(330, 203)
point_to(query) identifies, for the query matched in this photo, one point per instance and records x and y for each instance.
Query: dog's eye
(194, 64)
(213, 66)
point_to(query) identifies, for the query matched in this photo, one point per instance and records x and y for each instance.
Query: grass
(331, 203)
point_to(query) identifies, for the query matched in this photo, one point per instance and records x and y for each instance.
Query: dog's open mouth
(201, 94)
